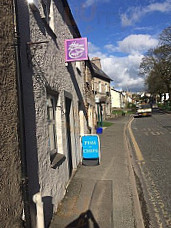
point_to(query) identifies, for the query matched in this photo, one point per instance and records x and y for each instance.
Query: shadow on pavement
(85, 220)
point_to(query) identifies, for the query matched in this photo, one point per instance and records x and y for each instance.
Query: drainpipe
(22, 138)
(37, 199)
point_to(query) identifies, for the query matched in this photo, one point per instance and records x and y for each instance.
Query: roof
(71, 21)
(99, 73)
(116, 90)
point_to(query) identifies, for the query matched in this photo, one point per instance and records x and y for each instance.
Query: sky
(120, 32)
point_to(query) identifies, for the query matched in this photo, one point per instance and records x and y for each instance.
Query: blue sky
(120, 32)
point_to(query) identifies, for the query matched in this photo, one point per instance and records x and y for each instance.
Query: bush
(131, 106)
(117, 112)
(165, 106)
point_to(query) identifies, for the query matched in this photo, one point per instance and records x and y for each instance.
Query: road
(151, 137)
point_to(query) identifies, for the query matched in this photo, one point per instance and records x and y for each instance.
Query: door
(68, 131)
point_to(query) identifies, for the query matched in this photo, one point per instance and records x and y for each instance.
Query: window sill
(57, 160)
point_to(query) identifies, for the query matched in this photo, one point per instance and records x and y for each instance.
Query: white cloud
(161, 7)
(123, 70)
(137, 43)
(134, 14)
(94, 51)
(111, 48)
(134, 44)
(143, 28)
(91, 2)
(92, 47)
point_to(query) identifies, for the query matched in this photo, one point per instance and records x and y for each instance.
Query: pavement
(103, 196)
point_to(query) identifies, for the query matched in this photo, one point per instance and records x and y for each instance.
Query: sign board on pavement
(90, 147)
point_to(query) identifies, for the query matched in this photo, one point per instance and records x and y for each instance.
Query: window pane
(51, 137)
(51, 109)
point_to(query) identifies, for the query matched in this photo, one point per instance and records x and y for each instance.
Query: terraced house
(101, 88)
(52, 102)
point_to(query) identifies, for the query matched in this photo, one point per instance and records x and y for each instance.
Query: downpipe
(37, 199)
(21, 125)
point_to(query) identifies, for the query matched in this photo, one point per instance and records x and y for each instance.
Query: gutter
(21, 124)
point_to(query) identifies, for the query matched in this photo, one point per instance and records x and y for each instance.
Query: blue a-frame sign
(90, 147)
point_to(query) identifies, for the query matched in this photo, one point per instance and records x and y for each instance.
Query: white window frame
(100, 87)
(106, 87)
(51, 16)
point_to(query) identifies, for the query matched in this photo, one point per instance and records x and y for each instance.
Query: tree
(165, 41)
(155, 84)
(156, 65)
(147, 63)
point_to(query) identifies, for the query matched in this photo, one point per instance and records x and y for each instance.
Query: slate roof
(71, 21)
(99, 73)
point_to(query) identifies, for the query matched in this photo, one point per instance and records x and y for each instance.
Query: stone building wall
(10, 171)
(105, 85)
(103, 95)
(90, 97)
(44, 72)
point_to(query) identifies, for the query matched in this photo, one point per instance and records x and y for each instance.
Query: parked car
(155, 106)
(144, 110)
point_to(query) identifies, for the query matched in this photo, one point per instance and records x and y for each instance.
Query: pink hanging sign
(76, 49)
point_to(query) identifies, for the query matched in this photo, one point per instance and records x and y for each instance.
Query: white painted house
(117, 99)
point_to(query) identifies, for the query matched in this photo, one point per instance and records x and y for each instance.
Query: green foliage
(156, 65)
(117, 112)
(165, 106)
(107, 124)
(129, 112)
(131, 105)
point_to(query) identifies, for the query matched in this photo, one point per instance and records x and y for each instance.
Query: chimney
(96, 61)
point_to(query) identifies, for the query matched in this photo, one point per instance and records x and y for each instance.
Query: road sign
(90, 147)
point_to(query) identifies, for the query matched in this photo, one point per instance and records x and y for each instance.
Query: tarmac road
(151, 141)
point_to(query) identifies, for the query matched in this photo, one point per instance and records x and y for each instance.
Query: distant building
(101, 88)
(90, 98)
(127, 98)
(117, 99)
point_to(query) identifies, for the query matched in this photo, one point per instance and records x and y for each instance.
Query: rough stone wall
(107, 105)
(10, 170)
(89, 96)
(88, 86)
(103, 88)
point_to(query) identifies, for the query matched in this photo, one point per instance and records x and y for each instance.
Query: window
(78, 65)
(51, 118)
(54, 145)
(51, 17)
(48, 8)
(106, 87)
(100, 87)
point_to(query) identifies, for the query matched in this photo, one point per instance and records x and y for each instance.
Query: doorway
(68, 131)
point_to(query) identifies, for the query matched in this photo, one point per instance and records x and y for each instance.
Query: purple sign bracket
(76, 49)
